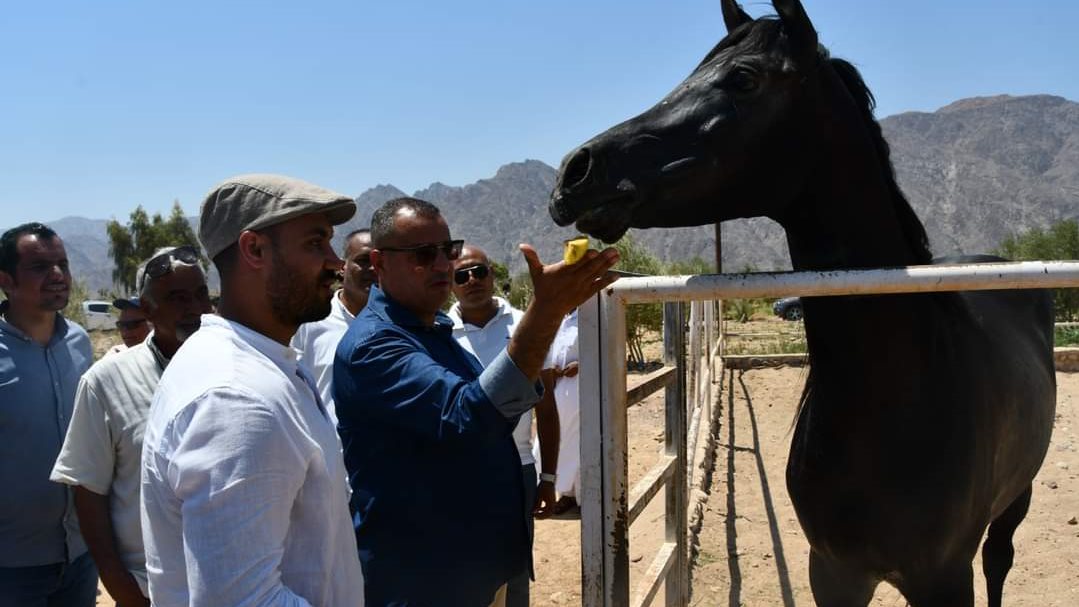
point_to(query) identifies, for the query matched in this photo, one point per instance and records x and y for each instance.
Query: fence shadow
(734, 594)
(766, 493)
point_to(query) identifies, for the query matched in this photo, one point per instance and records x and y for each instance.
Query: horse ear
(733, 15)
(799, 28)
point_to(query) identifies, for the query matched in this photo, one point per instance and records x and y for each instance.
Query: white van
(98, 315)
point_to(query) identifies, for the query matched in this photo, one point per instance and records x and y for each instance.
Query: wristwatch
(547, 476)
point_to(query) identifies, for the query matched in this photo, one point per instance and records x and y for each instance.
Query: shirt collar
(339, 308)
(504, 309)
(159, 356)
(383, 306)
(59, 328)
(283, 356)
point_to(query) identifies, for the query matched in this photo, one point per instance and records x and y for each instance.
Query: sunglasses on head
(162, 264)
(479, 272)
(426, 254)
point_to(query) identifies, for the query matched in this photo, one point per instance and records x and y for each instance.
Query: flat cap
(256, 201)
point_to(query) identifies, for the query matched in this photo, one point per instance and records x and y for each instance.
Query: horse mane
(764, 33)
(913, 230)
(912, 227)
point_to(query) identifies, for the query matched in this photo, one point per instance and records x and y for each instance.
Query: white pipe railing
(913, 279)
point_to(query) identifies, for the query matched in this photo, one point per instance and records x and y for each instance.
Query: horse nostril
(578, 169)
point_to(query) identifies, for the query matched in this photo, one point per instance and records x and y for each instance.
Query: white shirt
(564, 346)
(103, 447)
(317, 344)
(485, 343)
(244, 499)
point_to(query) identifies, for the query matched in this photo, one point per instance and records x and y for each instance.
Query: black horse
(924, 417)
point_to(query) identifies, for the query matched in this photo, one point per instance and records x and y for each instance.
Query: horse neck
(846, 218)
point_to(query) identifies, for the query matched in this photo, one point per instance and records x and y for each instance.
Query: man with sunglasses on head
(102, 452)
(244, 497)
(317, 341)
(427, 430)
(483, 324)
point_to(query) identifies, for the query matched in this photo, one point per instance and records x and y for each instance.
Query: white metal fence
(608, 504)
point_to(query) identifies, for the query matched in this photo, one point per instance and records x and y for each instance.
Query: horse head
(724, 143)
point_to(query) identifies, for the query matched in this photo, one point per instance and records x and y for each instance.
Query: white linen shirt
(317, 343)
(244, 499)
(485, 343)
(102, 451)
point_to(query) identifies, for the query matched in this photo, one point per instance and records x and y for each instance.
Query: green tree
(520, 293)
(640, 318)
(502, 278)
(131, 244)
(691, 267)
(1059, 241)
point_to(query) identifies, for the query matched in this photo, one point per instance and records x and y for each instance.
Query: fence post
(601, 326)
(674, 353)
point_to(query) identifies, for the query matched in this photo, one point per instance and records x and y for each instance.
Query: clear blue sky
(106, 105)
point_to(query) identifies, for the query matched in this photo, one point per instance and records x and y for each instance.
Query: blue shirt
(435, 475)
(37, 395)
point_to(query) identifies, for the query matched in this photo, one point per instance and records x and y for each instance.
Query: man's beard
(291, 301)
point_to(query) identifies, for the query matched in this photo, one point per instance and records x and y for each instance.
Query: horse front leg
(998, 551)
(837, 585)
(949, 586)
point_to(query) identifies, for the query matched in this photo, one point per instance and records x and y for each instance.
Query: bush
(1066, 336)
(743, 310)
(78, 294)
(1060, 241)
(520, 291)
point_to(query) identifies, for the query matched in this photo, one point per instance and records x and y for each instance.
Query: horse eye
(741, 80)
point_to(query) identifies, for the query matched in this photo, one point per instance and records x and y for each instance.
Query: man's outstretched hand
(559, 288)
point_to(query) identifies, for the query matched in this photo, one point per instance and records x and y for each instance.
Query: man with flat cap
(244, 500)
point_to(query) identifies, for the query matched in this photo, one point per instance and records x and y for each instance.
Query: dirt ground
(752, 551)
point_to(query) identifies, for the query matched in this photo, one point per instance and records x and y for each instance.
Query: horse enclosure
(608, 505)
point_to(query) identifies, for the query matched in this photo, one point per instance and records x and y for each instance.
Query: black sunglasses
(124, 325)
(479, 272)
(426, 254)
(161, 265)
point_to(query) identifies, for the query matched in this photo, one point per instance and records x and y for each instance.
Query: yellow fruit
(575, 249)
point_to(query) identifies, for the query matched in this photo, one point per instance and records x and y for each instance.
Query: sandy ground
(752, 551)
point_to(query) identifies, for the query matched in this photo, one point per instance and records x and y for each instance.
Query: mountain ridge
(975, 171)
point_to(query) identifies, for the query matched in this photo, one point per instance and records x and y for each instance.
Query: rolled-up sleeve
(418, 393)
(88, 456)
(508, 389)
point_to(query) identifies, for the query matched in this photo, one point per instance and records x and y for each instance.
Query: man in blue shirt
(423, 423)
(43, 559)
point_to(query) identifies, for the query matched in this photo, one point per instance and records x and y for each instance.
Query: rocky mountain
(975, 171)
(981, 169)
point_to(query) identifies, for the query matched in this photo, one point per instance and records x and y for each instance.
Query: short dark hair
(382, 222)
(9, 251)
(226, 260)
(350, 235)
